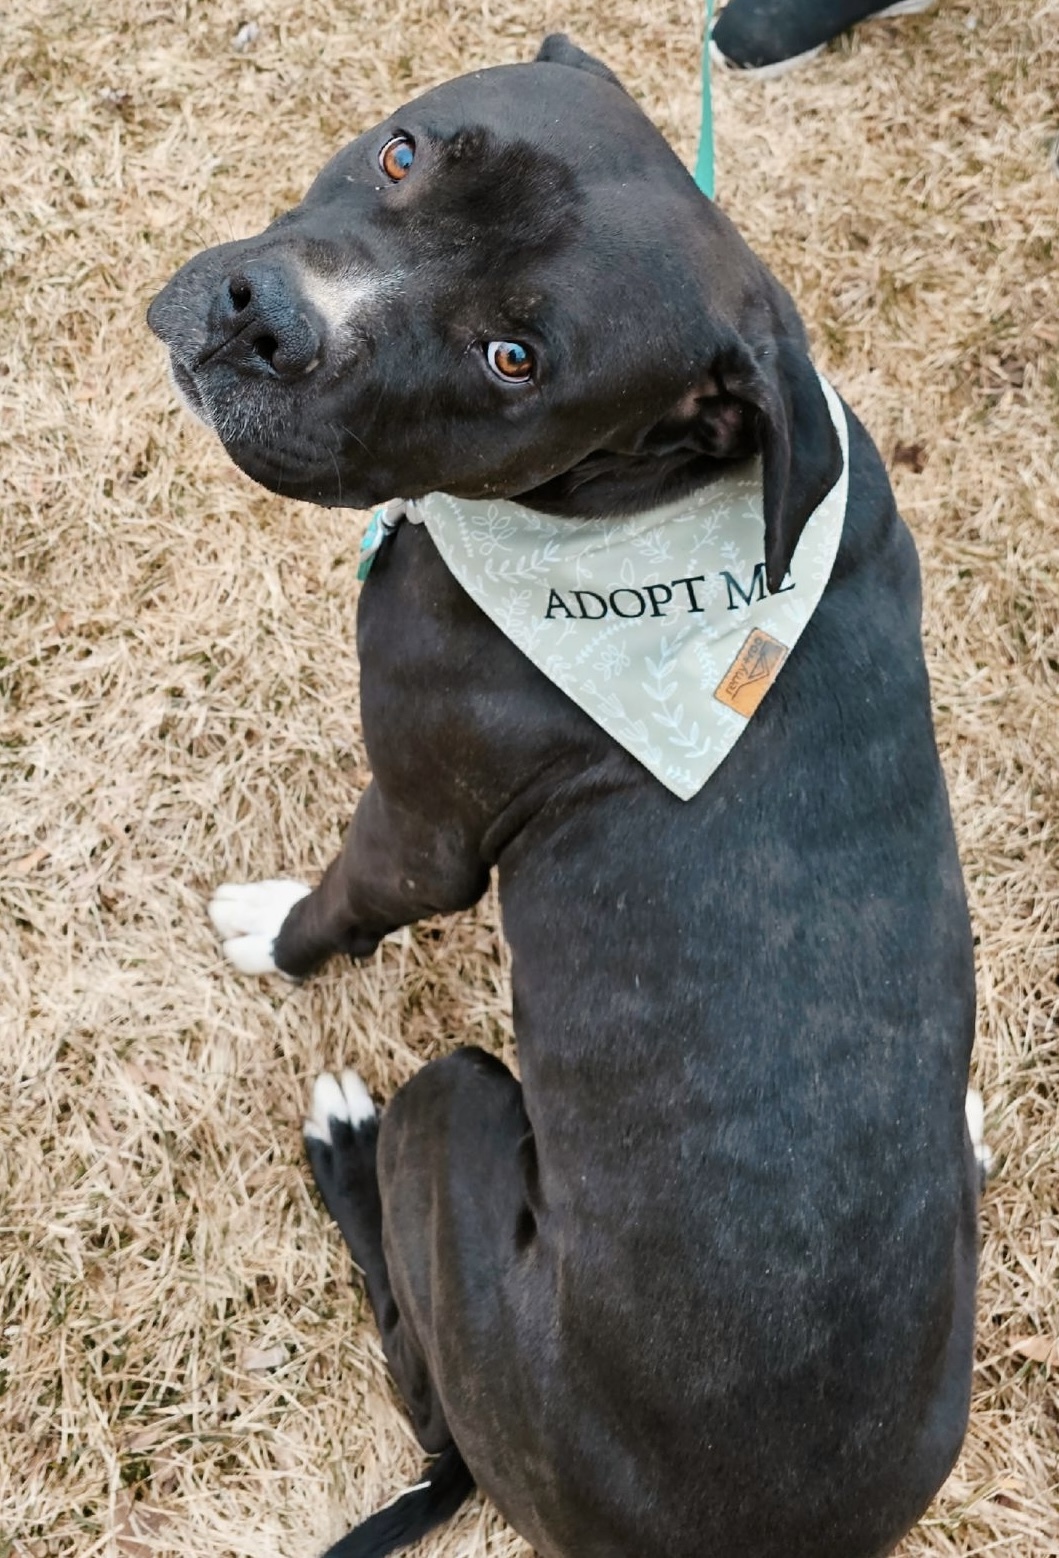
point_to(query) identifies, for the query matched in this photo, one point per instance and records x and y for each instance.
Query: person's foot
(769, 37)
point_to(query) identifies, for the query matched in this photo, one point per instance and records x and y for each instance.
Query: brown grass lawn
(184, 1366)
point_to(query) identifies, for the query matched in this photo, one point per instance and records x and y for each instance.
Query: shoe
(769, 37)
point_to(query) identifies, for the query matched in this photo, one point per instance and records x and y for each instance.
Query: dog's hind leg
(341, 1142)
(458, 1183)
(439, 1205)
(439, 1197)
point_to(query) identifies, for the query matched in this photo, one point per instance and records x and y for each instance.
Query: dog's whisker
(355, 436)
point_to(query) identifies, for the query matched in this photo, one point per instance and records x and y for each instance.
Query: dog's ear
(558, 50)
(771, 401)
(767, 402)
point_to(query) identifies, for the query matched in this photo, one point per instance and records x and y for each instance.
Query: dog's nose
(266, 324)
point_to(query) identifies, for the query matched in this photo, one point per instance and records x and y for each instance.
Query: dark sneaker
(769, 37)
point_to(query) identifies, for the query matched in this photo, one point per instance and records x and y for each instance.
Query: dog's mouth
(188, 391)
(289, 449)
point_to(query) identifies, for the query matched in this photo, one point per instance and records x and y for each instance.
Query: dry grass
(185, 1367)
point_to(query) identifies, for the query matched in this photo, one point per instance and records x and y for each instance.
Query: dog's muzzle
(258, 322)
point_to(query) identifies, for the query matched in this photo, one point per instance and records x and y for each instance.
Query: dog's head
(512, 288)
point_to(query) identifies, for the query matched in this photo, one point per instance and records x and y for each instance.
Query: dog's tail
(428, 1504)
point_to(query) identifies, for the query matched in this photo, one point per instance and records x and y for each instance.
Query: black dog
(704, 1282)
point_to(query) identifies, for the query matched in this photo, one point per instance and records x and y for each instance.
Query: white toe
(975, 1111)
(337, 1099)
(254, 908)
(251, 954)
(359, 1106)
(329, 1103)
(223, 910)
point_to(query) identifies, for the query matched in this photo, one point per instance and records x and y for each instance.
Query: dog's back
(743, 1322)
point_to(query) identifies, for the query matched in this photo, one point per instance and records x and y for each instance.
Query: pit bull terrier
(702, 1282)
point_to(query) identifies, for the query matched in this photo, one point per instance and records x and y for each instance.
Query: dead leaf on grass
(30, 862)
(257, 1359)
(1038, 1349)
(914, 456)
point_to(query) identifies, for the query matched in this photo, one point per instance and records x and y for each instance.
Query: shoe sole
(796, 61)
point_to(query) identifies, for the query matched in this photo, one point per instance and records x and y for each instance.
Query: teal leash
(704, 174)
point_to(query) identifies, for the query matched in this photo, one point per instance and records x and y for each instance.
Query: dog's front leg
(395, 866)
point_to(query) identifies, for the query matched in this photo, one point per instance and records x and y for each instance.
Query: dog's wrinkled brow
(519, 197)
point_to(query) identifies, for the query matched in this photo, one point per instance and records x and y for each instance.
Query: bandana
(660, 626)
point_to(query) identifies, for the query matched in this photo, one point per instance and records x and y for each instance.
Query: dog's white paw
(974, 1108)
(338, 1098)
(248, 915)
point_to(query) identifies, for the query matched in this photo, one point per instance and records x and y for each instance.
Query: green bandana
(659, 626)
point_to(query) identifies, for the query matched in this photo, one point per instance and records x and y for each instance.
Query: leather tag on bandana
(751, 673)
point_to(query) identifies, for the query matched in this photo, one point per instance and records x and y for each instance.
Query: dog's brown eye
(397, 157)
(510, 360)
